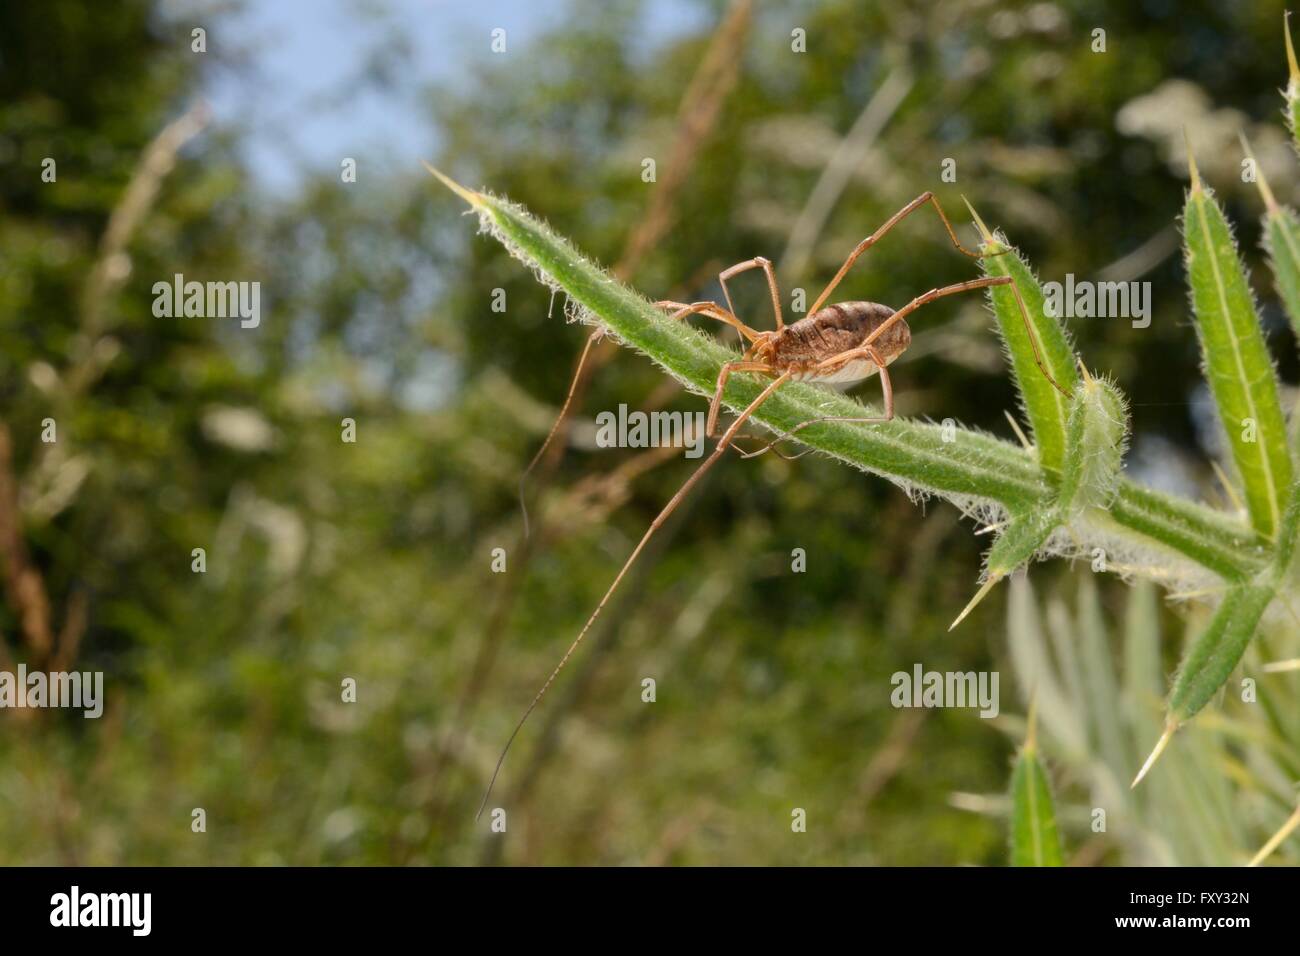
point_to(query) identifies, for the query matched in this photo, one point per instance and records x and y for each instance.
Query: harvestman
(840, 344)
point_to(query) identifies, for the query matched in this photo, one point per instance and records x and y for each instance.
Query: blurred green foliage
(371, 560)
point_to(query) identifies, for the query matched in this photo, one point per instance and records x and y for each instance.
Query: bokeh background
(372, 560)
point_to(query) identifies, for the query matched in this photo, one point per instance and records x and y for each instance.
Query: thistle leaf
(1096, 432)
(1022, 538)
(1292, 92)
(1237, 364)
(1282, 243)
(1046, 408)
(1096, 435)
(1034, 837)
(1214, 654)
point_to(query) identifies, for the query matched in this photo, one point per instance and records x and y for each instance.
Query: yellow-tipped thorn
(1290, 50)
(979, 596)
(471, 197)
(1160, 746)
(1264, 191)
(1085, 374)
(1228, 488)
(1276, 839)
(1191, 163)
(979, 223)
(1015, 427)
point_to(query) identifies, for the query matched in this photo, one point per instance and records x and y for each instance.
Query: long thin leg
(741, 365)
(966, 286)
(756, 263)
(894, 220)
(668, 509)
(559, 420)
(713, 311)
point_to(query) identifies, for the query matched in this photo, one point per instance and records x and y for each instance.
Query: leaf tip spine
(979, 223)
(1270, 201)
(1159, 748)
(1292, 67)
(469, 195)
(1191, 163)
(979, 596)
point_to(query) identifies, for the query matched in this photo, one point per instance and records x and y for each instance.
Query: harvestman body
(837, 329)
(834, 345)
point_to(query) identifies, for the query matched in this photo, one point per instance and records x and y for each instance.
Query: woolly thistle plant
(1061, 491)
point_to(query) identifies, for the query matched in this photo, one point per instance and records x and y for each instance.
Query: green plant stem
(965, 466)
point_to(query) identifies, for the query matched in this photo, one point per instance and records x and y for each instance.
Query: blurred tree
(329, 560)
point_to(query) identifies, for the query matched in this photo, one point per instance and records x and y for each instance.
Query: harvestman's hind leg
(757, 262)
(559, 420)
(894, 220)
(866, 350)
(710, 309)
(723, 443)
(741, 365)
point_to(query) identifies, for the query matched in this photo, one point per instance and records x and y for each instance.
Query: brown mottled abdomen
(834, 330)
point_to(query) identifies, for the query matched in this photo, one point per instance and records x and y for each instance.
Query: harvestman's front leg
(710, 309)
(894, 220)
(723, 443)
(967, 286)
(758, 262)
(741, 365)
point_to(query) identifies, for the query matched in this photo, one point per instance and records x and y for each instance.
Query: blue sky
(295, 80)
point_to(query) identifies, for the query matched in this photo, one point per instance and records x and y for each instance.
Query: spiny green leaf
(1034, 837)
(1020, 540)
(1292, 92)
(1217, 650)
(1214, 654)
(1047, 408)
(1096, 434)
(1237, 364)
(1281, 243)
